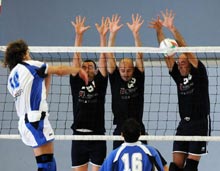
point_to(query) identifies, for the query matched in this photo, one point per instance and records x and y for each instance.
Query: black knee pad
(174, 167)
(46, 162)
(191, 165)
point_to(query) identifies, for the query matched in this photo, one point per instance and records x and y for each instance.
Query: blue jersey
(133, 157)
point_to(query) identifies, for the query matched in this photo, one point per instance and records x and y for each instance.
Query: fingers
(116, 18)
(155, 23)
(73, 23)
(97, 26)
(104, 22)
(137, 20)
(167, 14)
(78, 20)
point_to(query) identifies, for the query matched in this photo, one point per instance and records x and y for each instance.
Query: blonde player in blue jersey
(132, 155)
(28, 83)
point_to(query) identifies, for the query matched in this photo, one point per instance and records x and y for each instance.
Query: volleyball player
(132, 154)
(88, 102)
(127, 79)
(28, 83)
(190, 76)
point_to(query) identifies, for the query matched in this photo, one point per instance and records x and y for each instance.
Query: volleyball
(169, 45)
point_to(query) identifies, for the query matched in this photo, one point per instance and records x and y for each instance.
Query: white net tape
(116, 137)
(124, 49)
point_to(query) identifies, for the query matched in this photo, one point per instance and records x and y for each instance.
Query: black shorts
(192, 128)
(83, 152)
(190, 147)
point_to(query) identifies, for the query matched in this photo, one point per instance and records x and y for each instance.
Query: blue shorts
(84, 152)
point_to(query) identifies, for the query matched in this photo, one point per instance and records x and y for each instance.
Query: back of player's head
(15, 53)
(131, 130)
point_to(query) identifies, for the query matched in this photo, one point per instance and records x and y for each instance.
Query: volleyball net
(161, 116)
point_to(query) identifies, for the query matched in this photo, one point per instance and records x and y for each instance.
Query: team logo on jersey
(81, 93)
(186, 87)
(130, 91)
(18, 93)
(186, 80)
(203, 149)
(131, 82)
(90, 88)
(87, 94)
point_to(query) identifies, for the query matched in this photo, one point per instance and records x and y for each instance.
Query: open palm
(79, 25)
(168, 19)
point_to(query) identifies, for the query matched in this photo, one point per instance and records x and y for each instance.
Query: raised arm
(168, 22)
(157, 25)
(113, 28)
(80, 28)
(103, 30)
(135, 26)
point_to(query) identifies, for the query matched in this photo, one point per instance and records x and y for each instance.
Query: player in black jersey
(127, 80)
(191, 79)
(88, 102)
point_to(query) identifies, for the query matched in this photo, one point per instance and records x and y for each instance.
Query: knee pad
(46, 162)
(191, 165)
(174, 167)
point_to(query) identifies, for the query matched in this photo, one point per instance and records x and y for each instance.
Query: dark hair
(15, 53)
(89, 60)
(131, 130)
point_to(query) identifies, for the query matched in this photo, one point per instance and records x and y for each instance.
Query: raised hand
(104, 27)
(158, 26)
(156, 23)
(79, 25)
(136, 24)
(114, 23)
(168, 18)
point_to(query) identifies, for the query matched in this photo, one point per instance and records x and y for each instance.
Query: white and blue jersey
(26, 84)
(28, 87)
(133, 157)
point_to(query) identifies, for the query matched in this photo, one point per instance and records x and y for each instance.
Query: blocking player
(190, 76)
(89, 102)
(127, 79)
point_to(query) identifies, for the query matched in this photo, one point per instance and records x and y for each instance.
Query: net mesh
(161, 115)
